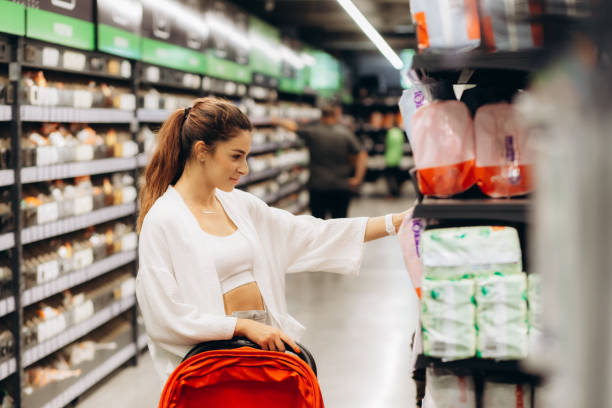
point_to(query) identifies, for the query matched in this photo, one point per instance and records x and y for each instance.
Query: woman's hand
(267, 337)
(376, 228)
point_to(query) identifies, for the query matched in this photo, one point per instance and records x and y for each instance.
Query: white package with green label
(447, 319)
(501, 317)
(454, 253)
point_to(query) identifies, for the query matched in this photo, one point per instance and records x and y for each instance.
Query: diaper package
(499, 395)
(507, 26)
(447, 319)
(442, 141)
(503, 159)
(446, 390)
(454, 253)
(446, 24)
(501, 317)
(409, 235)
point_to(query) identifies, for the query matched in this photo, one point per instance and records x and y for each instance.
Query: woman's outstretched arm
(376, 227)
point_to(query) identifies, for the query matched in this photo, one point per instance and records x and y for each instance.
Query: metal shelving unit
(511, 210)
(68, 170)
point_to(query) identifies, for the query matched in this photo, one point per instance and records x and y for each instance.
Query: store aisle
(358, 330)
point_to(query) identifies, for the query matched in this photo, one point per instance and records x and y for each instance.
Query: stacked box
(447, 319)
(456, 253)
(501, 317)
(447, 390)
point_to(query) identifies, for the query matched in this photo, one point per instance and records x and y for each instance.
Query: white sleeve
(170, 320)
(315, 245)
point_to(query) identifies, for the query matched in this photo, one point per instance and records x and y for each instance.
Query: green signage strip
(12, 17)
(265, 48)
(59, 29)
(325, 73)
(173, 56)
(119, 42)
(229, 70)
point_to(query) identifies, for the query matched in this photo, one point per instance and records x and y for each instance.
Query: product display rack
(472, 208)
(31, 55)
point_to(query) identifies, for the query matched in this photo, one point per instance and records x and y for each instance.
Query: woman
(213, 259)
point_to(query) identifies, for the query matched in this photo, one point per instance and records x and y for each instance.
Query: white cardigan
(178, 289)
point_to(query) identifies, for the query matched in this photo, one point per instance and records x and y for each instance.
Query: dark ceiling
(325, 24)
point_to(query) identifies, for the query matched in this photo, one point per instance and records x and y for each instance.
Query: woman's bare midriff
(245, 297)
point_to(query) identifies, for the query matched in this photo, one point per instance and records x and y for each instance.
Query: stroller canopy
(243, 377)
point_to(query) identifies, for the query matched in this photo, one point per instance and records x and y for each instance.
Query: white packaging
(445, 390)
(446, 24)
(499, 395)
(507, 26)
(447, 319)
(501, 317)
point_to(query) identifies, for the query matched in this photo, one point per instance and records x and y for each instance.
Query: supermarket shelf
(93, 377)
(75, 332)
(7, 306)
(142, 160)
(274, 146)
(142, 341)
(152, 115)
(6, 113)
(52, 229)
(72, 279)
(68, 170)
(512, 210)
(260, 175)
(7, 241)
(510, 369)
(31, 113)
(528, 60)
(289, 189)
(7, 368)
(263, 121)
(7, 177)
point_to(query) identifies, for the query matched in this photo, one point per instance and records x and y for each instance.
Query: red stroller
(236, 374)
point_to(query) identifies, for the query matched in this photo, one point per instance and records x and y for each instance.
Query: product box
(447, 390)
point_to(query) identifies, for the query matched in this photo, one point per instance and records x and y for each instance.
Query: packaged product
(453, 253)
(507, 24)
(503, 160)
(501, 317)
(409, 235)
(447, 319)
(500, 395)
(446, 24)
(446, 390)
(442, 141)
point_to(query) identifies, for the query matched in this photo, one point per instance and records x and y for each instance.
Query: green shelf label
(12, 17)
(59, 29)
(119, 42)
(228, 70)
(173, 56)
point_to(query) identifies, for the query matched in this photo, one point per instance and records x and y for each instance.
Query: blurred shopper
(337, 163)
(394, 151)
(213, 259)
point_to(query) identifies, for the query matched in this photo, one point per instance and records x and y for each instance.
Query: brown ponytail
(210, 120)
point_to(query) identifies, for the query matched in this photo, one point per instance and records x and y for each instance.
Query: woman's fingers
(279, 344)
(291, 343)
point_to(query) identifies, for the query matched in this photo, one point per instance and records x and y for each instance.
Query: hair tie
(187, 109)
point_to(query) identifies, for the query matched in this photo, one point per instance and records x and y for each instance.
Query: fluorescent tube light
(372, 34)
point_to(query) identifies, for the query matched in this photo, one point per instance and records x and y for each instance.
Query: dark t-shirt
(330, 149)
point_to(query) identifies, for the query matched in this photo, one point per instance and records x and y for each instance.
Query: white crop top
(233, 260)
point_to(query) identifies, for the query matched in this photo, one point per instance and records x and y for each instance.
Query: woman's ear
(201, 151)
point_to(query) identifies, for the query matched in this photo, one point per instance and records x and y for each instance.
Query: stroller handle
(238, 342)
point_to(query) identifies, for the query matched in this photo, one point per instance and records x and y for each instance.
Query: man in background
(337, 163)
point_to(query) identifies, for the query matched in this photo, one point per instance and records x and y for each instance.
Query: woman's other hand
(266, 337)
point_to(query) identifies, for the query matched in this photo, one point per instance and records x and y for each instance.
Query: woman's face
(228, 163)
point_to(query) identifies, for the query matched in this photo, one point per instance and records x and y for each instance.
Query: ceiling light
(372, 34)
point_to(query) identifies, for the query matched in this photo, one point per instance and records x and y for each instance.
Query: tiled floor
(359, 330)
